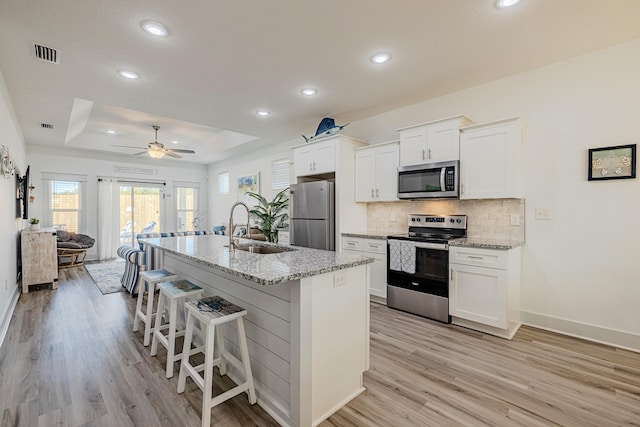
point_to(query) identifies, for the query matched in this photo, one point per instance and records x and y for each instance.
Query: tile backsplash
(486, 219)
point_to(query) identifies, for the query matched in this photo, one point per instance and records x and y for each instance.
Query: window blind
(280, 172)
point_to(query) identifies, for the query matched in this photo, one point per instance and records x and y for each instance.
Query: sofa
(145, 257)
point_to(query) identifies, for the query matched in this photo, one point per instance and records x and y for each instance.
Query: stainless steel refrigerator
(312, 223)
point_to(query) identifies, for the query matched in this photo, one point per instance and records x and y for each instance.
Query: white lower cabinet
(376, 249)
(484, 289)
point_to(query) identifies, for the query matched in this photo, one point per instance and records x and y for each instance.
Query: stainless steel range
(418, 265)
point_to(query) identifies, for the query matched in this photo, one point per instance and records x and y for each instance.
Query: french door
(140, 210)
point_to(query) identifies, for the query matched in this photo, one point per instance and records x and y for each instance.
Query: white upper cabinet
(377, 173)
(431, 142)
(490, 160)
(315, 158)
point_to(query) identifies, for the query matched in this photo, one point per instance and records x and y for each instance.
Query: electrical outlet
(543, 213)
(515, 219)
(339, 279)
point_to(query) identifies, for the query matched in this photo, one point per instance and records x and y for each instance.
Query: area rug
(106, 275)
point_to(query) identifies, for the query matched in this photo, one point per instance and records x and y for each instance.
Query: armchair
(72, 248)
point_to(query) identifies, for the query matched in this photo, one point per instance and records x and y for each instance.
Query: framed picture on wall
(617, 162)
(249, 183)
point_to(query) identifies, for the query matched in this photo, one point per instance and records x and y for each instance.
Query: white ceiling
(224, 60)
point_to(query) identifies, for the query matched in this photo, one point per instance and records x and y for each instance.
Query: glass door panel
(139, 211)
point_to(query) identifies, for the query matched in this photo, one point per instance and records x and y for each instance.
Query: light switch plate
(515, 219)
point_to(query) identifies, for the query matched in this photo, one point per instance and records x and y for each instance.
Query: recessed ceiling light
(154, 28)
(111, 132)
(263, 113)
(174, 142)
(128, 74)
(502, 4)
(309, 91)
(380, 57)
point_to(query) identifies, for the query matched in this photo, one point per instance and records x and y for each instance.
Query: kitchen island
(307, 320)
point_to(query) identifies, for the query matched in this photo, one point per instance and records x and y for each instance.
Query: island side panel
(267, 324)
(330, 341)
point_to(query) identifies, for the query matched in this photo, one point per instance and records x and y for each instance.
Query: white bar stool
(212, 312)
(174, 292)
(151, 278)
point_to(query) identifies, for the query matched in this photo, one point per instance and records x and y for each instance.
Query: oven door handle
(427, 245)
(437, 246)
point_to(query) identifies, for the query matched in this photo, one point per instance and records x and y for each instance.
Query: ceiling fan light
(156, 154)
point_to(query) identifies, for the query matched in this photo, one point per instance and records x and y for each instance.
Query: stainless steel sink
(263, 249)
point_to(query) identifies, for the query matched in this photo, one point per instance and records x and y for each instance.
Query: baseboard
(4, 327)
(625, 340)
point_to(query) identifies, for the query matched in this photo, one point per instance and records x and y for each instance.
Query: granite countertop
(264, 269)
(368, 235)
(486, 243)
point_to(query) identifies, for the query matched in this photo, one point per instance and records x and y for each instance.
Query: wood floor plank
(70, 358)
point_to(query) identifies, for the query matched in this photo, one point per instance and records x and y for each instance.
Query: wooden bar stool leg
(208, 375)
(246, 363)
(147, 323)
(186, 350)
(157, 326)
(221, 350)
(136, 320)
(171, 350)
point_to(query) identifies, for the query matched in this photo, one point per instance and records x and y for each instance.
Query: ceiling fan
(157, 150)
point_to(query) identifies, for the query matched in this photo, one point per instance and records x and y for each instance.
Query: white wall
(94, 165)
(247, 164)
(10, 226)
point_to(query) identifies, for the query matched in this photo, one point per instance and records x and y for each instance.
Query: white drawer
(351, 243)
(492, 258)
(375, 246)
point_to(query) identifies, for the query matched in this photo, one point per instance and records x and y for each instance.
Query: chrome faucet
(233, 242)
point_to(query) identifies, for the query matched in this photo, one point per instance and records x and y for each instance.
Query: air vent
(46, 125)
(46, 53)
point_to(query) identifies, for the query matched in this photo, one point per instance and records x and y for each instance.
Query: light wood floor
(70, 359)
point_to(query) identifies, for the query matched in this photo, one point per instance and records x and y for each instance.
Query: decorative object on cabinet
(7, 168)
(617, 162)
(32, 197)
(270, 215)
(327, 127)
(35, 223)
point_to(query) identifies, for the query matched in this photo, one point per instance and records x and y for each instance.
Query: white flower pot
(35, 226)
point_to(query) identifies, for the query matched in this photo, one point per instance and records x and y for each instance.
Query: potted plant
(269, 215)
(35, 223)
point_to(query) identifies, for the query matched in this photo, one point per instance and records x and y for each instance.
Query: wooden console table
(39, 258)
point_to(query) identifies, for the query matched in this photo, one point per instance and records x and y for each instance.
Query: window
(65, 202)
(223, 183)
(280, 172)
(187, 206)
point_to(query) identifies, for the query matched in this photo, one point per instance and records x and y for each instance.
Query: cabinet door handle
(372, 193)
(310, 166)
(377, 193)
(423, 155)
(314, 166)
(475, 257)
(429, 153)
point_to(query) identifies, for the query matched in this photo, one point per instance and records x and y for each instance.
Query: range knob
(413, 220)
(458, 220)
(452, 220)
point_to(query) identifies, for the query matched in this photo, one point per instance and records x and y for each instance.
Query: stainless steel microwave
(431, 180)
